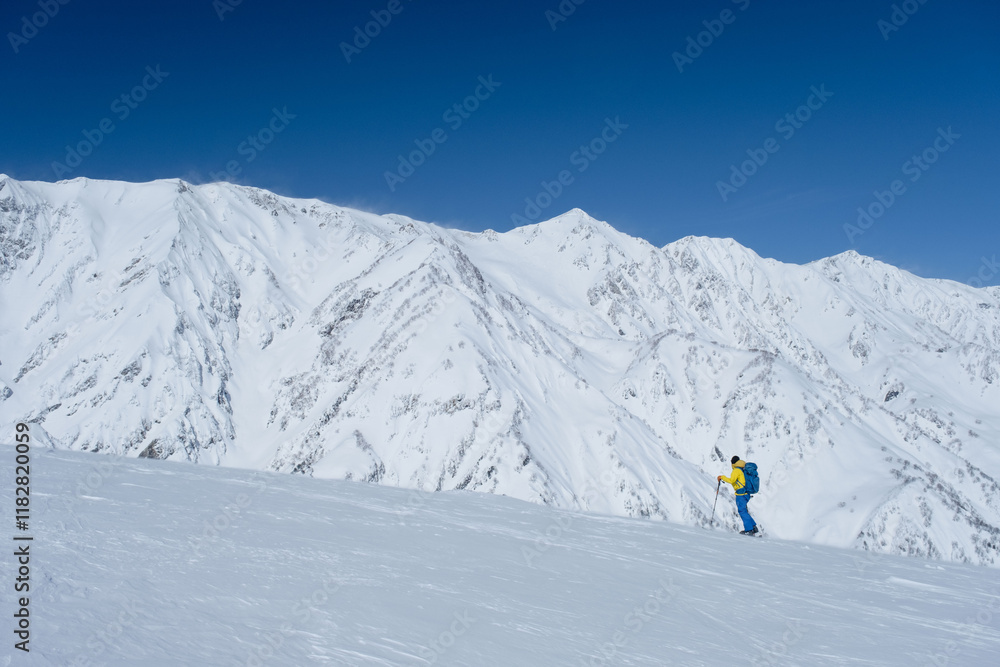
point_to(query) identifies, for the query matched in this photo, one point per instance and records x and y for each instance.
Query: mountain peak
(564, 363)
(573, 224)
(574, 216)
(577, 213)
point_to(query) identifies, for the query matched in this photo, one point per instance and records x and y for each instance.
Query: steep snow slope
(563, 363)
(161, 563)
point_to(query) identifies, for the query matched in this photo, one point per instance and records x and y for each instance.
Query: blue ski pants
(741, 505)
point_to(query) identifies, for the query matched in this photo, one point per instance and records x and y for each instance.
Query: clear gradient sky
(660, 131)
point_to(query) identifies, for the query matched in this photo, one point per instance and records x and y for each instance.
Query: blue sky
(592, 94)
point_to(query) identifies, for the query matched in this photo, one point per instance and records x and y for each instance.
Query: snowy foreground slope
(163, 563)
(562, 363)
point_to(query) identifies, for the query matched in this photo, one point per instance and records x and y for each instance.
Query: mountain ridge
(564, 362)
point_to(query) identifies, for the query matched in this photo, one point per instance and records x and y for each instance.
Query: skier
(738, 480)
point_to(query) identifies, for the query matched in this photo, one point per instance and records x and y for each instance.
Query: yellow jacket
(738, 479)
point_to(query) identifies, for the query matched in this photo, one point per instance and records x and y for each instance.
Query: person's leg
(741, 505)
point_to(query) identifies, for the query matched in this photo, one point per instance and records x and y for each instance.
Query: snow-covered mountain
(563, 363)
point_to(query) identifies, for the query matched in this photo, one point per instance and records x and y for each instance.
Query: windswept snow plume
(562, 363)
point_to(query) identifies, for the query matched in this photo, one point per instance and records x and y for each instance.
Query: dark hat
(735, 459)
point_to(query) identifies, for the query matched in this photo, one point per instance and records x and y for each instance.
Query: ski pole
(717, 487)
